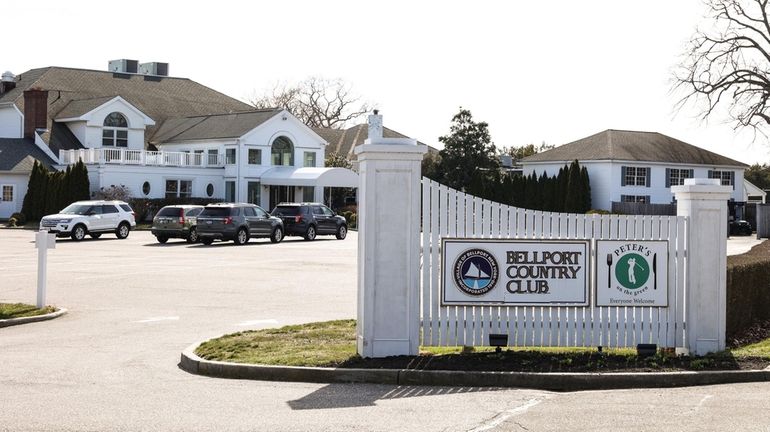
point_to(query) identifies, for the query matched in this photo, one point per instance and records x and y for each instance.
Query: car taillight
(228, 220)
(181, 216)
(133, 214)
(298, 219)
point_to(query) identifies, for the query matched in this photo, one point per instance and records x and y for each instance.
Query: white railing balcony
(122, 156)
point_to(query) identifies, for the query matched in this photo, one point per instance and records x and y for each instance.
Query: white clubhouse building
(159, 136)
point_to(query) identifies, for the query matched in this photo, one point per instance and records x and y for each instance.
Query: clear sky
(552, 71)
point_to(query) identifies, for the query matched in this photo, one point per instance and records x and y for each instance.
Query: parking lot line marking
(258, 322)
(156, 319)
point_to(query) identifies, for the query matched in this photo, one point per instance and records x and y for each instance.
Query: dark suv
(310, 219)
(237, 222)
(176, 221)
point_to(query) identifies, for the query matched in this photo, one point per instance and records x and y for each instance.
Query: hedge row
(748, 289)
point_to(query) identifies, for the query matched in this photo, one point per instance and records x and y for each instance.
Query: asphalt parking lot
(111, 363)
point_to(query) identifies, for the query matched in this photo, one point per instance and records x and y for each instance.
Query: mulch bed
(534, 361)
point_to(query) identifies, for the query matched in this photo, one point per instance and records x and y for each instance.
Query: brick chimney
(35, 111)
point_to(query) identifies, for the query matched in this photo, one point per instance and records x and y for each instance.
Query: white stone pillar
(704, 202)
(388, 244)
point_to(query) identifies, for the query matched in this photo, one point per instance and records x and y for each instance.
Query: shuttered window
(635, 176)
(676, 176)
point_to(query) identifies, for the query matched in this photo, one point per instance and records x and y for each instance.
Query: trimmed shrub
(748, 289)
(17, 219)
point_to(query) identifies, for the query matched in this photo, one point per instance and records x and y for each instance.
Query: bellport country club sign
(553, 273)
(516, 272)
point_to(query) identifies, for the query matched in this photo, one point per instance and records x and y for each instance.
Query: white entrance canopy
(316, 177)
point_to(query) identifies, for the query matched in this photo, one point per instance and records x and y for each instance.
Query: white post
(388, 244)
(704, 202)
(43, 242)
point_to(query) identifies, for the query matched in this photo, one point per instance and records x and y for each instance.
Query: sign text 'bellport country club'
(515, 272)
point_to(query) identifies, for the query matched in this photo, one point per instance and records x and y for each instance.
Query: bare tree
(728, 65)
(318, 102)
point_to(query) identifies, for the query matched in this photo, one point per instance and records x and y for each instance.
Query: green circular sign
(632, 271)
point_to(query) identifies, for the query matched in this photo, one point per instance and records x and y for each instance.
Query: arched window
(115, 130)
(282, 152)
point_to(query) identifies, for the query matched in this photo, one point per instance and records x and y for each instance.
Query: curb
(26, 320)
(191, 363)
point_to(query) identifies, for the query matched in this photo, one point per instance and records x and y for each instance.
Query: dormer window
(282, 152)
(115, 130)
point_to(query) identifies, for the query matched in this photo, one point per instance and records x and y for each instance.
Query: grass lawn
(19, 310)
(332, 344)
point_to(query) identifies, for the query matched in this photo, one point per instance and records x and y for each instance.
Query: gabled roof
(18, 155)
(344, 141)
(160, 98)
(625, 145)
(214, 126)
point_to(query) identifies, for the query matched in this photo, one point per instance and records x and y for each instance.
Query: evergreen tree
(27, 206)
(468, 150)
(586, 190)
(573, 202)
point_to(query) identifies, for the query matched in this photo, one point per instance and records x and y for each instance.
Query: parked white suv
(93, 218)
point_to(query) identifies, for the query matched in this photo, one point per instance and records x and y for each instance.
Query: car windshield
(215, 212)
(286, 211)
(169, 211)
(78, 209)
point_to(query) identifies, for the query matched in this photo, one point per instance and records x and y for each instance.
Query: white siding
(11, 122)
(606, 180)
(19, 181)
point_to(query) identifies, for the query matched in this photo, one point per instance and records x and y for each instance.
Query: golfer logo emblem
(475, 272)
(632, 271)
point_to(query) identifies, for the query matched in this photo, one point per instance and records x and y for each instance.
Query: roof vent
(123, 66)
(7, 82)
(154, 68)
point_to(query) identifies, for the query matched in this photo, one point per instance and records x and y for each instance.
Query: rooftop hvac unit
(154, 68)
(123, 66)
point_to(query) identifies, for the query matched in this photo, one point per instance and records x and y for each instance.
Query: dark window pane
(109, 209)
(286, 211)
(169, 211)
(215, 212)
(249, 211)
(116, 119)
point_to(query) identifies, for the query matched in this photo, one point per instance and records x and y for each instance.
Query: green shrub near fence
(748, 289)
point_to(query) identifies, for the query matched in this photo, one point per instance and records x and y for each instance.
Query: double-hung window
(178, 188)
(115, 130)
(255, 156)
(726, 178)
(635, 176)
(676, 176)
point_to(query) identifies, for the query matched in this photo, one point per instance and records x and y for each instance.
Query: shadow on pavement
(360, 395)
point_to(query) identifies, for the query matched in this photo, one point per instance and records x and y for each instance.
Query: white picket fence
(450, 213)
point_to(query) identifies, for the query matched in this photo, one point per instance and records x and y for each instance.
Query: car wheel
(277, 235)
(207, 241)
(95, 235)
(192, 237)
(342, 232)
(310, 233)
(162, 239)
(241, 237)
(123, 230)
(78, 232)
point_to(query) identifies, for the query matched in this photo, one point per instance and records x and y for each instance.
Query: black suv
(310, 219)
(237, 222)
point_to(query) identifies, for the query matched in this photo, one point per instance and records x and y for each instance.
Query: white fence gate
(450, 213)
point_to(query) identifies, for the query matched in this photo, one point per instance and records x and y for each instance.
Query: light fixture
(498, 340)
(646, 350)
